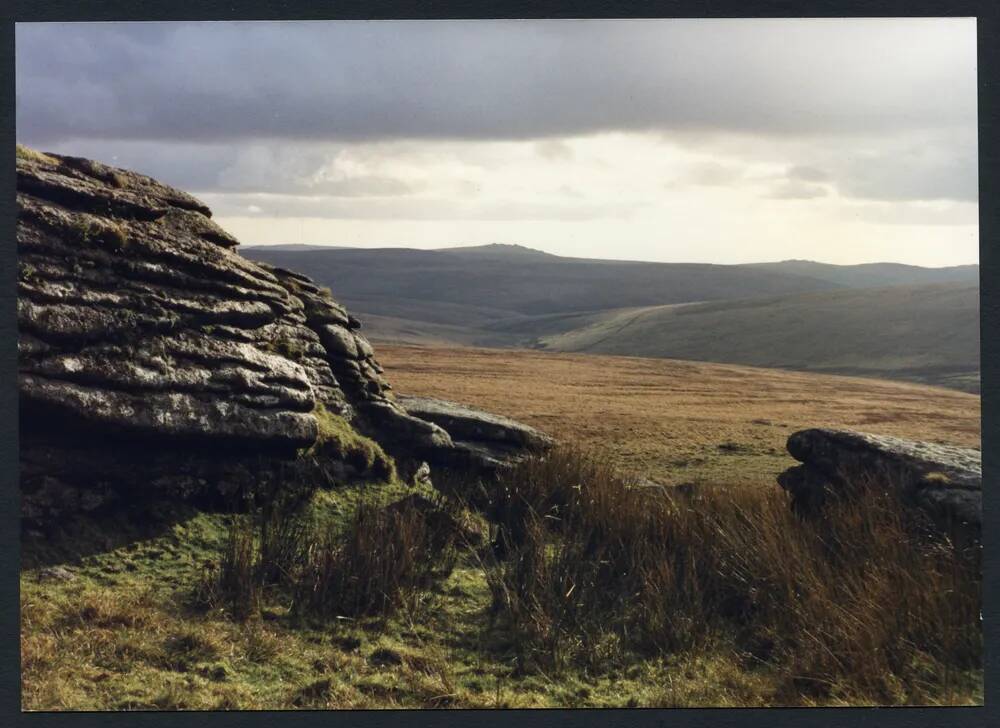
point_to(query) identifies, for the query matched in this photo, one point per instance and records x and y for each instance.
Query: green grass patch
(339, 440)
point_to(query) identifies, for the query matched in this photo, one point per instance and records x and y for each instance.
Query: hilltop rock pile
(944, 481)
(154, 358)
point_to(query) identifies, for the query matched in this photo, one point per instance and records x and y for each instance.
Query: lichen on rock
(155, 360)
(943, 481)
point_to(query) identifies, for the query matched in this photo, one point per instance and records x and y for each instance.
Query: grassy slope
(121, 634)
(874, 275)
(924, 333)
(794, 314)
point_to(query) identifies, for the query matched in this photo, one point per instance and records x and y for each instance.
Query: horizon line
(339, 246)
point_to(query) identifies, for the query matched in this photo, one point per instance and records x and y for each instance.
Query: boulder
(944, 481)
(484, 441)
(154, 359)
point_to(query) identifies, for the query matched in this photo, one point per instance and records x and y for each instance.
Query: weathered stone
(469, 424)
(155, 360)
(339, 341)
(943, 480)
(483, 442)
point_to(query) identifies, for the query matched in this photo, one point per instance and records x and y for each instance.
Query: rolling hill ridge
(884, 320)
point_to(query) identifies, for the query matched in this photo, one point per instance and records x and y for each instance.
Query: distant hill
(497, 250)
(925, 333)
(881, 319)
(871, 275)
(515, 280)
(291, 247)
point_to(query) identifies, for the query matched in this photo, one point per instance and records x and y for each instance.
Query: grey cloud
(713, 174)
(554, 149)
(796, 190)
(489, 79)
(924, 164)
(294, 168)
(916, 214)
(927, 172)
(359, 186)
(228, 205)
(806, 173)
(193, 167)
(365, 186)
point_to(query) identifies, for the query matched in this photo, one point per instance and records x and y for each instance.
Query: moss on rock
(337, 439)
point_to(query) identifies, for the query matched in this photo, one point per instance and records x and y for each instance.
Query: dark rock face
(944, 481)
(488, 441)
(153, 357)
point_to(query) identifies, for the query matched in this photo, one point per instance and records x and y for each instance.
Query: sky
(719, 141)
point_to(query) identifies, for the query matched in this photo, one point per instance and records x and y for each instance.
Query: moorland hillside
(883, 319)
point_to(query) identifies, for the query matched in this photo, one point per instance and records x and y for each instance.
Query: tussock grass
(23, 152)
(374, 563)
(90, 229)
(379, 565)
(860, 604)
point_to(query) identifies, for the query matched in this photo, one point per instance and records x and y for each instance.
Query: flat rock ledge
(490, 442)
(944, 481)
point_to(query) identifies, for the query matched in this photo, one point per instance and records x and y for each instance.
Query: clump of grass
(338, 440)
(187, 647)
(375, 564)
(858, 603)
(285, 537)
(105, 233)
(235, 585)
(27, 153)
(376, 567)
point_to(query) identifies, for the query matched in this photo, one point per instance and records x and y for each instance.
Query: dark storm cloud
(489, 80)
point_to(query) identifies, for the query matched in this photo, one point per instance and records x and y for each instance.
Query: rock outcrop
(942, 480)
(153, 358)
(490, 442)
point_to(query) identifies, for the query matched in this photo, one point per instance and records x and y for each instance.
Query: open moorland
(680, 421)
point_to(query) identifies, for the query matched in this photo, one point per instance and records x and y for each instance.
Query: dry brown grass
(860, 604)
(376, 567)
(677, 421)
